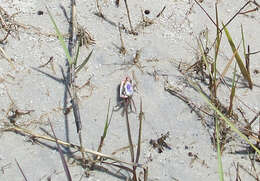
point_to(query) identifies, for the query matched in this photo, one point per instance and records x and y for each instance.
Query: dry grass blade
(65, 166)
(233, 90)
(219, 34)
(243, 41)
(238, 59)
(246, 55)
(212, 82)
(21, 170)
(226, 68)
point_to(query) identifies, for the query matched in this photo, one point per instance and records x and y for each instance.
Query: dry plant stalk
(100, 14)
(7, 24)
(35, 137)
(10, 61)
(122, 48)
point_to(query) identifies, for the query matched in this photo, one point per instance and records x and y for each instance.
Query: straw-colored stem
(23, 131)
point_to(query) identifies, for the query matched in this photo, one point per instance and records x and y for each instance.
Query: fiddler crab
(126, 92)
(126, 88)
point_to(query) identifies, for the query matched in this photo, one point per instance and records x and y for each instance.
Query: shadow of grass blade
(220, 167)
(21, 170)
(232, 126)
(84, 62)
(242, 68)
(65, 166)
(61, 39)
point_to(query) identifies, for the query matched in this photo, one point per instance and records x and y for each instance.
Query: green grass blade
(242, 68)
(84, 62)
(107, 123)
(220, 167)
(232, 126)
(61, 39)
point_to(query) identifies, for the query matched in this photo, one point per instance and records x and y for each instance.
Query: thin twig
(206, 13)
(235, 15)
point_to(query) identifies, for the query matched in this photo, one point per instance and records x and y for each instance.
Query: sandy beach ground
(160, 50)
